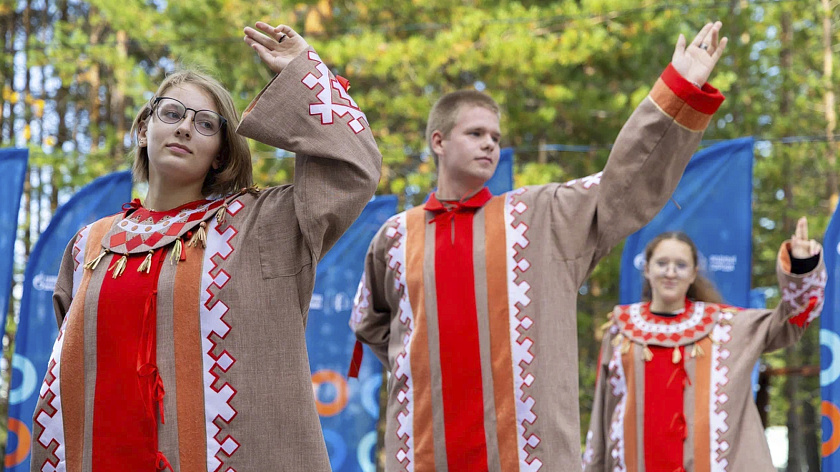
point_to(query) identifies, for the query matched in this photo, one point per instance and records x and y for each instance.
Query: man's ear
(437, 142)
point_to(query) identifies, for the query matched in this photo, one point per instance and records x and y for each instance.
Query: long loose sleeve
(305, 110)
(592, 214)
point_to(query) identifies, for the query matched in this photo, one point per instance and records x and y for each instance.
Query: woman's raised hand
(800, 246)
(277, 46)
(696, 61)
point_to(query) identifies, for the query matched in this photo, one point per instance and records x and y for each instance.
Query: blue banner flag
(830, 348)
(37, 328)
(715, 210)
(13, 171)
(502, 180)
(349, 409)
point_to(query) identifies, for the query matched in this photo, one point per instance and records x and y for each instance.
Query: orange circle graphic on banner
(830, 411)
(20, 453)
(332, 377)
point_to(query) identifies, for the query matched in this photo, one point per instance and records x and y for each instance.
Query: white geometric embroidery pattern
(718, 425)
(618, 382)
(79, 258)
(164, 223)
(643, 324)
(361, 302)
(798, 296)
(53, 424)
(522, 356)
(588, 452)
(396, 231)
(217, 398)
(588, 182)
(234, 207)
(325, 106)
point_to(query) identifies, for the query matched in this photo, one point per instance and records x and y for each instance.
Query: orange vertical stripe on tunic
(72, 358)
(189, 380)
(630, 439)
(424, 447)
(499, 314)
(702, 386)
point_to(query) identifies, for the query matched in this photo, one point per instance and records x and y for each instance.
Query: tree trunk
(62, 97)
(93, 79)
(27, 184)
(10, 72)
(118, 100)
(4, 70)
(786, 62)
(830, 112)
(794, 422)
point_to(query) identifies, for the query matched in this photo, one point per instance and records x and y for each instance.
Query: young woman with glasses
(181, 343)
(673, 390)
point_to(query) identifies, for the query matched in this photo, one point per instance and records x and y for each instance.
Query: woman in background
(673, 390)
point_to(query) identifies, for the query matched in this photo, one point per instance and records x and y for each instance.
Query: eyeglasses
(661, 267)
(171, 111)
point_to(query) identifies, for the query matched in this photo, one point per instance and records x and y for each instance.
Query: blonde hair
(702, 290)
(234, 172)
(444, 113)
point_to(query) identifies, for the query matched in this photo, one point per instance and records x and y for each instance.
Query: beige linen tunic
(722, 430)
(532, 250)
(231, 316)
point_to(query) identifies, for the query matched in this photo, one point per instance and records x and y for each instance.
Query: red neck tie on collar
(448, 213)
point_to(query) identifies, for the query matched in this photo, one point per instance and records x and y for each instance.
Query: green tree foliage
(566, 72)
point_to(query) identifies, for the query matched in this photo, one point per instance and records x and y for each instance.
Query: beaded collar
(141, 230)
(638, 324)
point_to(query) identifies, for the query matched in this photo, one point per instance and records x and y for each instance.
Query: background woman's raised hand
(696, 61)
(277, 46)
(800, 246)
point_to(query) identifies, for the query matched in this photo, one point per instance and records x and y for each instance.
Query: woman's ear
(217, 163)
(142, 128)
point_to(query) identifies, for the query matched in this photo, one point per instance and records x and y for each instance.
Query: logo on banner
(317, 302)
(830, 352)
(722, 262)
(828, 375)
(19, 432)
(44, 282)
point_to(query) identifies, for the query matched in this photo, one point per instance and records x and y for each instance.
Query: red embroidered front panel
(460, 361)
(664, 418)
(124, 419)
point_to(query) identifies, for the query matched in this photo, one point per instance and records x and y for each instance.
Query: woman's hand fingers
(277, 46)
(802, 228)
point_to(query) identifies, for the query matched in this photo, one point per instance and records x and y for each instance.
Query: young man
(470, 300)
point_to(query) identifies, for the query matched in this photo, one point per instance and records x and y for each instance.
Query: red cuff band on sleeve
(706, 100)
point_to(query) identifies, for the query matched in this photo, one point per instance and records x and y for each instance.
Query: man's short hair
(444, 112)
